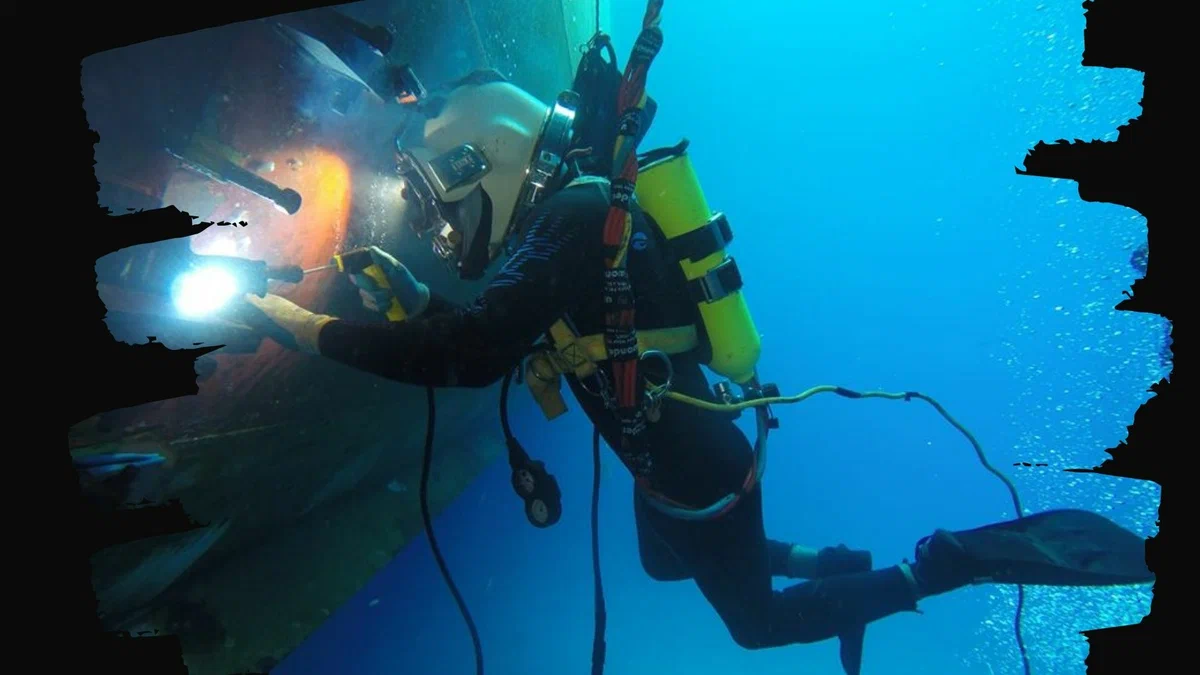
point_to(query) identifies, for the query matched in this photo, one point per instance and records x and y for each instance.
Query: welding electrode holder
(360, 261)
(252, 275)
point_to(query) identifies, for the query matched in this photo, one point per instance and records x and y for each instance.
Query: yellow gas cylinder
(669, 190)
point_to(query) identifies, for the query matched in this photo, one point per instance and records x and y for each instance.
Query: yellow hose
(661, 391)
(849, 393)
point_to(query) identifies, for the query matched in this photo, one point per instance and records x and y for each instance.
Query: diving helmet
(487, 156)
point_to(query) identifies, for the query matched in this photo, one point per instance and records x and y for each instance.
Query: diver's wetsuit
(699, 456)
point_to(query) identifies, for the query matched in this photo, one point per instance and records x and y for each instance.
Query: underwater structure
(303, 473)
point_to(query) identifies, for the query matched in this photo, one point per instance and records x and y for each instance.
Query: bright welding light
(204, 291)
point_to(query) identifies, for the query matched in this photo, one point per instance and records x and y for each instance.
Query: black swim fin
(850, 649)
(1066, 547)
(840, 560)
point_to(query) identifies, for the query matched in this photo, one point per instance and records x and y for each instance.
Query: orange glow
(312, 236)
(309, 238)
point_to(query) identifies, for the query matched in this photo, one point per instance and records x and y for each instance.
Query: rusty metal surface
(313, 466)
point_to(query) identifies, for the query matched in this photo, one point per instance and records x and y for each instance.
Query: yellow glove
(302, 325)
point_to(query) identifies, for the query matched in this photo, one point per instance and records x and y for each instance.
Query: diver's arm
(439, 304)
(475, 345)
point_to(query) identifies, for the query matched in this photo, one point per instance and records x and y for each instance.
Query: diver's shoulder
(576, 203)
(584, 192)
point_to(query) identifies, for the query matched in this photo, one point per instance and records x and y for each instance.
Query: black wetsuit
(699, 456)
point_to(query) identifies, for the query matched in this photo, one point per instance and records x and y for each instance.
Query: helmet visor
(426, 186)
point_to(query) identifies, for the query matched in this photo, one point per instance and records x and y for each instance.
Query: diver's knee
(661, 572)
(750, 634)
(747, 639)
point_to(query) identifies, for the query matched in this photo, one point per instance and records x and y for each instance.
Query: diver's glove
(289, 324)
(412, 295)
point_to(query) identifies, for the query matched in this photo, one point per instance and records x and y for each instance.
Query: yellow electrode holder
(359, 261)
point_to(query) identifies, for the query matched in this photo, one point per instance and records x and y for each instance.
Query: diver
(478, 187)
(1139, 261)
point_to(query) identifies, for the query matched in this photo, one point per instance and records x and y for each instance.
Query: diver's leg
(1065, 547)
(658, 559)
(824, 608)
(785, 560)
(729, 561)
(788, 560)
(802, 562)
(1035, 550)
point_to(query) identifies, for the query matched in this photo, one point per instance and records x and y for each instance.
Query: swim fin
(832, 561)
(1065, 547)
(850, 649)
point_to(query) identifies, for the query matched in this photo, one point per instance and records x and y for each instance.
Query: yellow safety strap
(580, 355)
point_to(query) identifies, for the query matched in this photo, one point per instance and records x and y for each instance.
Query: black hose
(426, 469)
(504, 386)
(1017, 629)
(599, 648)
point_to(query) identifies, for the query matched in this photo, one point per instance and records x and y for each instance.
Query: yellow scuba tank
(669, 191)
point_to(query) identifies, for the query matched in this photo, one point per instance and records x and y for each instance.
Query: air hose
(426, 470)
(601, 617)
(599, 647)
(663, 390)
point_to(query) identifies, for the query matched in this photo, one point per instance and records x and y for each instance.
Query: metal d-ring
(602, 390)
(667, 361)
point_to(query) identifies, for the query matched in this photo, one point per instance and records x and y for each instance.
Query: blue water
(865, 155)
